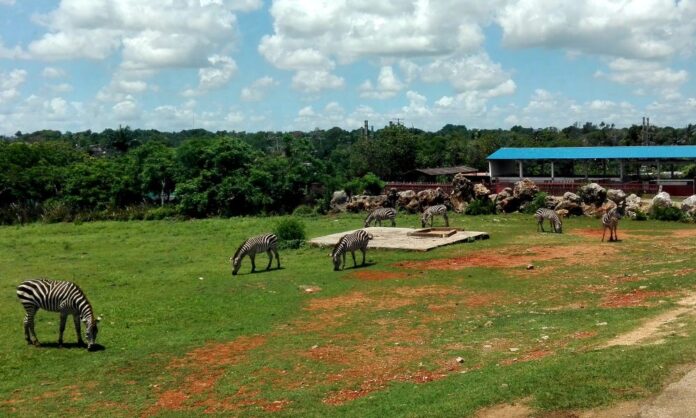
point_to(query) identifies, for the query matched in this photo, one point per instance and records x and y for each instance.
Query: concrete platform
(398, 239)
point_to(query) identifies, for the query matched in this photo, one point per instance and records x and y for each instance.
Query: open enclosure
(455, 331)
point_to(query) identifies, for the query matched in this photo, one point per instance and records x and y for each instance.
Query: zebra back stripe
(55, 296)
(380, 214)
(259, 243)
(351, 242)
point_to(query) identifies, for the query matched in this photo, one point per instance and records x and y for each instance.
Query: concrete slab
(398, 239)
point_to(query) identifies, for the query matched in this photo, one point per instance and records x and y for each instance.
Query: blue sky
(249, 65)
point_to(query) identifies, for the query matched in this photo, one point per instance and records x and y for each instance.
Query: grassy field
(442, 333)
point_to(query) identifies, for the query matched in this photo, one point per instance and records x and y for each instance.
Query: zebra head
(91, 331)
(424, 220)
(367, 220)
(558, 226)
(236, 264)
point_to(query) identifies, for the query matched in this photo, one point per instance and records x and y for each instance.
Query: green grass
(392, 342)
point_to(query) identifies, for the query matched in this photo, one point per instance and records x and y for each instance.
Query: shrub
(670, 213)
(290, 233)
(640, 215)
(304, 210)
(56, 211)
(369, 184)
(483, 206)
(538, 202)
(159, 213)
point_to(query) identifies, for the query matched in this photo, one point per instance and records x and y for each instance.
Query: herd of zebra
(68, 299)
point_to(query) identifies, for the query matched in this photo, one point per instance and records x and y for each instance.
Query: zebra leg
(446, 219)
(343, 266)
(393, 222)
(270, 259)
(76, 320)
(277, 256)
(29, 325)
(253, 262)
(363, 253)
(63, 318)
(355, 264)
(604, 231)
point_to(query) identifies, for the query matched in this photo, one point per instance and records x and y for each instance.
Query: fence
(637, 187)
(417, 187)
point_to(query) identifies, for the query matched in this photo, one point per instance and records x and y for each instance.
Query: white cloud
(258, 89)
(313, 81)
(388, 85)
(60, 88)
(9, 85)
(52, 72)
(315, 36)
(470, 73)
(217, 75)
(648, 29)
(642, 74)
(7, 2)
(126, 110)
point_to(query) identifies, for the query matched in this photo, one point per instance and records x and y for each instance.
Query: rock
(339, 199)
(392, 198)
(593, 193)
(525, 190)
(365, 203)
(508, 205)
(408, 200)
(460, 360)
(597, 211)
(562, 213)
(633, 205)
(430, 197)
(459, 205)
(617, 196)
(530, 266)
(481, 191)
(570, 203)
(688, 205)
(552, 201)
(463, 187)
(662, 200)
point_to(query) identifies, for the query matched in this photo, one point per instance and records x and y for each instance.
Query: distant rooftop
(440, 171)
(664, 152)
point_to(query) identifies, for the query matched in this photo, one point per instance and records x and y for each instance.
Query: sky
(257, 65)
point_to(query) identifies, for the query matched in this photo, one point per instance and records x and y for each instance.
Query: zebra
(357, 240)
(379, 215)
(542, 214)
(260, 243)
(431, 211)
(57, 296)
(610, 220)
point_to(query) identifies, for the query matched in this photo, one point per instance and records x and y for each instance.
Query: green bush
(666, 214)
(483, 206)
(368, 184)
(304, 210)
(56, 211)
(290, 233)
(159, 213)
(538, 202)
(640, 215)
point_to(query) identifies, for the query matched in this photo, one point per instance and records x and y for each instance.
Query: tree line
(129, 173)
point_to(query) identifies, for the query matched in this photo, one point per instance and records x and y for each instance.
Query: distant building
(632, 168)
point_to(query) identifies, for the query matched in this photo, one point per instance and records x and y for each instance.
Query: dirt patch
(596, 233)
(508, 410)
(583, 335)
(653, 327)
(684, 233)
(202, 367)
(530, 356)
(516, 257)
(637, 297)
(376, 275)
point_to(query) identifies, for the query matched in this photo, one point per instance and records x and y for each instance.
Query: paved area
(397, 238)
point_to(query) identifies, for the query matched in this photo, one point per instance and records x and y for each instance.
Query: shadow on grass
(71, 346)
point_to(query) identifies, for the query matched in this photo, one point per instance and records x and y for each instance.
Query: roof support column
(519, 165)
(621, 170)
(658, 171)
(552, 174)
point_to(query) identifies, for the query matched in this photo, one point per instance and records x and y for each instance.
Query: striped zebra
(57, 296)
(431, 211)
(379, 215)
(610, 220)
(357, 240)
(262, 243)
(543, 214)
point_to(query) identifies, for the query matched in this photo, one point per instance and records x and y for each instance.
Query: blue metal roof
(601, 153)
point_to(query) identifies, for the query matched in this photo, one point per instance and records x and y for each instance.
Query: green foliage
(670, 213)
(539, 201)
(290, 233)
(159, 213)
(640, 215)
(368, 184)
(304, 210)
(482, 206)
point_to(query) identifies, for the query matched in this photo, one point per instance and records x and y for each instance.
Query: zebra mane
(236, 253)
(335, 248)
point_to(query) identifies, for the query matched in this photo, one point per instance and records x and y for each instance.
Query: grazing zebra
(610, 220)
(431, 211)
(350, 242)
(379, 215)
(57, 296)
(261, 243)
(542, 214)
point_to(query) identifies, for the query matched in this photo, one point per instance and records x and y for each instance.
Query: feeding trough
(436, 232)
